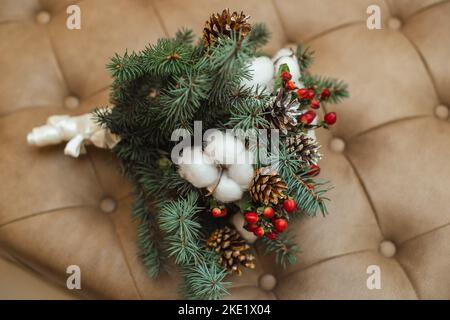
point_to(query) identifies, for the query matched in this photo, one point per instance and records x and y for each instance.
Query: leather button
(108, 205)
(43, 17)
(441, 112)
(337, 145)
(71, 102)
(267, 282)
(394, 24)
(387, 249)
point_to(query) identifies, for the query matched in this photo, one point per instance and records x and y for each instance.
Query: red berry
(311, 94)
(223, 212)
(286, 76)
(251, 217)
(280, 225)
(268, 212)
(330, 118)
(272, 236)
(325, 93)
(290, 85)
(302, 93)
(217, 212)
(289, 205)
(259, 232)
(251, 227)
(314, 170)
(315, 104)
(307, 117)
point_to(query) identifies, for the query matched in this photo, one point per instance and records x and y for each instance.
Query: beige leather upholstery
(388, 156)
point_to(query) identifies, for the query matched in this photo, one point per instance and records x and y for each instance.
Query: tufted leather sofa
(388, 156)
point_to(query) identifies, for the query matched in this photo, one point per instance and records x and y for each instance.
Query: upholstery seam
(118, 238)
(425, 9)
(408, 277)
(26, 108)
(366, 192)
(286, 39)
(423, 234)
(57, 60)
(385, 124)
(95, 171)
(425, 64)
(299, 270)
(159, 18)
(39, 213)
(333, 29)
(127, 263)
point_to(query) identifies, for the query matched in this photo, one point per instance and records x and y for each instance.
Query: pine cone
(232, 248)
(305, 148)
(225, 24)
(283, 112)
(267, 187)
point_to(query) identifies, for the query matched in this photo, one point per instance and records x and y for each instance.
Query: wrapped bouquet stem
(202, 207)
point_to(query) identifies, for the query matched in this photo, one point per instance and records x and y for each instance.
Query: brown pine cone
(232, 249)
(267, 187)
(224, 24)
(283, 112)
(305, 148)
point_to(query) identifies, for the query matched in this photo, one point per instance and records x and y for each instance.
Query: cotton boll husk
(242, 171)
(262, 72)
(224, 148)
(197, 168)
(287, 56)
(227, 190)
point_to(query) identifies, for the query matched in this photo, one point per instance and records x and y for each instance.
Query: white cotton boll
(287, 56)
(284, 52)
(197, 168)
(262, 71)
(242, 171)
(224, 148)
(227, 190)
(242, 174)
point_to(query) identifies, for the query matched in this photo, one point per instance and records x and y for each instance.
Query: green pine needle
(284, 247)
(205, 281)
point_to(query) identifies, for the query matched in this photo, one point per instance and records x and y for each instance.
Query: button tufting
(71, 102)
(267, 282)
(394, 24)
(337, 145)
(43, 17)
(441, 112)
(108, 205)
(387, 248)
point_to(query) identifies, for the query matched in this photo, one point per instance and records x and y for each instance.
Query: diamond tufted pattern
(387, 156)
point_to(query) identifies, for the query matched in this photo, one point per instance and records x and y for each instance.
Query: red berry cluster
(267, 222)
(314, 99)
(219, 212)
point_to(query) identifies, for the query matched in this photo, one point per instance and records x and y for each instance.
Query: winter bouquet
(218, 142)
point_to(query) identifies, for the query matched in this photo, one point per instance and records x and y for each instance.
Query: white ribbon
(78, 131)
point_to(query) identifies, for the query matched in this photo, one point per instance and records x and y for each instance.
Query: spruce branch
(305, 57)
(309, 194)
(338, 89)
(126, 68)
(178, 219)
(185, 36)
(205, 281)
(229, 60)
(168, 57)
(248, 109)
(258, 36)
(284, 247)
(151, 247)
